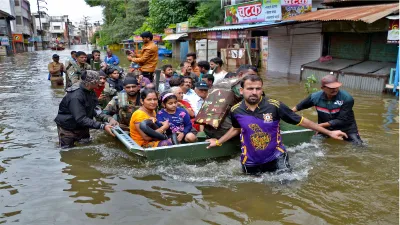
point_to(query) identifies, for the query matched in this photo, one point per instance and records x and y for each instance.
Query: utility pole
(69, 38)
(40, 20)
(85, 19)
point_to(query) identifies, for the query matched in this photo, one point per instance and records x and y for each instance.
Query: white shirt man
(196, 99)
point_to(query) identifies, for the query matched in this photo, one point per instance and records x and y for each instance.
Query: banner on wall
(4, 41)
(265, 10)
(295, 7)
(272, 10)
(244, 13)
(182, 27)
(18, 38)
(168, 31)
(393, 32)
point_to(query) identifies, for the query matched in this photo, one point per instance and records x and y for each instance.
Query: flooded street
(102, 183)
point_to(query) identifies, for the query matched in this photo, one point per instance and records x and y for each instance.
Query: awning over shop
(7, 15)
(244, 26)
(368, 14)
(174, 37)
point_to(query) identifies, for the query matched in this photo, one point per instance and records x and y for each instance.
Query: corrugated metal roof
(368, 14)
(243, 26)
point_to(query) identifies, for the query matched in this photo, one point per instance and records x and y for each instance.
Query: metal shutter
(279, 50)
(306, 48)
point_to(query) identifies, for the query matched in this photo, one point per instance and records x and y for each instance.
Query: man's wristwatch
(217, 143)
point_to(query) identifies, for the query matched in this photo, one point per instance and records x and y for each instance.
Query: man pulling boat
(334, 108)
(256, 119)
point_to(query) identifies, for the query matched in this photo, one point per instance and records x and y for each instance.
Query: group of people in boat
(167, 114)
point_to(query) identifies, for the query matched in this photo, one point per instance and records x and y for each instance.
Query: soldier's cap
(56, 56)
(201, 85)
(330, 81)
(90, 77)
(130, 80)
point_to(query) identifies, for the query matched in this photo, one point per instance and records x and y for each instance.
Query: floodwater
(332, 182)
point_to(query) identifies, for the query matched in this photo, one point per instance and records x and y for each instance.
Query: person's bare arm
(230, 134)
(336, 134)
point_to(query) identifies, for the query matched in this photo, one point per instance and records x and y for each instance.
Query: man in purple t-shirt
(256, 119)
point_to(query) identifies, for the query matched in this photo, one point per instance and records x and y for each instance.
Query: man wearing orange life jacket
(148, 59)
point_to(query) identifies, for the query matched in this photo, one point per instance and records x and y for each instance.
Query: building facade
(22, 26)
(7, 14)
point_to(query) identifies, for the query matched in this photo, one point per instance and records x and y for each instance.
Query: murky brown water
(332, 182)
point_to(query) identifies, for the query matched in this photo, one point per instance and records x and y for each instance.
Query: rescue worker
(257, 119)
(96, 63)
(123, 114)
(56, 70)
(76, 112)
(68, 63)
(148, 59)
(75, 70)
(334, 108)
(100, 89)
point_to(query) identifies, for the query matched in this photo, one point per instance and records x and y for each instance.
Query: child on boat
(149, 100)
(178, 118)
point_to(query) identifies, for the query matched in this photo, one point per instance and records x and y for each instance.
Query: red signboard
(18, 38)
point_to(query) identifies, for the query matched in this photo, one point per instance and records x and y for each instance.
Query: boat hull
(291, 136)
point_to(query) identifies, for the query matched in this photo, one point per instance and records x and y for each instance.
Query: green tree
(119, 25)
(208, 14)
(162, 13)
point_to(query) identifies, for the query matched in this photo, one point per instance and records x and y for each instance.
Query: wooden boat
(57, 48)
(291, 136)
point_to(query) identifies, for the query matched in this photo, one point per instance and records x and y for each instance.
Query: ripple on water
(302, 159)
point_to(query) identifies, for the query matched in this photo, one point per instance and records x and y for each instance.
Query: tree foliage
(123, 18)
(208, 14)
(162, 13)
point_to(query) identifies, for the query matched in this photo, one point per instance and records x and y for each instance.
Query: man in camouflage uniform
(123, 114)
(75, 70)
(77, 110)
